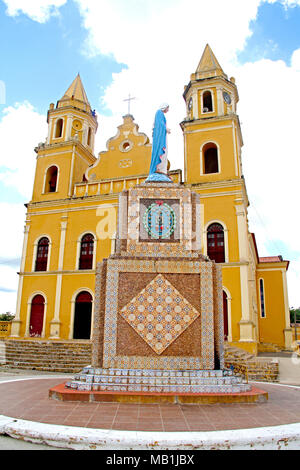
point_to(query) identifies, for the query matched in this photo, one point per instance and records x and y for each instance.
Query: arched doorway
(83, 316)
(225, 315)
(37, 315)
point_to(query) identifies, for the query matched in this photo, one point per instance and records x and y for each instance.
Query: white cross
(129, 99)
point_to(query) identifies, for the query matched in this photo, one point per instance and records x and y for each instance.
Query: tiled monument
(158, 324)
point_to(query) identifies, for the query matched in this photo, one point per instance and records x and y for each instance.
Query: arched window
(51, 179)
(210, 159)
(37, 316)
(42, 254)
(225, 315)
(207, 102)
(83, 316)
(86, 252)
(89, 138)
(59, 128)
(215, 243)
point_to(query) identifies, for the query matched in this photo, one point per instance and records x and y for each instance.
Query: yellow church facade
(71, 220)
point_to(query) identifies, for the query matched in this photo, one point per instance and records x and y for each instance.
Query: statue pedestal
(158, 325)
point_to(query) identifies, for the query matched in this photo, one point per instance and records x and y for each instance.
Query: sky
(148, 49)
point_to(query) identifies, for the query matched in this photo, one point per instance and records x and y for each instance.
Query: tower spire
(209, 65)
(75, 94)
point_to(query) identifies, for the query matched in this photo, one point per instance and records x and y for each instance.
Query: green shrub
(8, 316)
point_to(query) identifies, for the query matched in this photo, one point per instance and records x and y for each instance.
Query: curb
(285, 437)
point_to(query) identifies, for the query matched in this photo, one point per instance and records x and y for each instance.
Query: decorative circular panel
(159, 220)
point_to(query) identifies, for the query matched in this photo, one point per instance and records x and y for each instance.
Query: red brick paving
(28, 400)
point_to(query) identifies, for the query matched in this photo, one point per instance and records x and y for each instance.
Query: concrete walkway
(46, 436)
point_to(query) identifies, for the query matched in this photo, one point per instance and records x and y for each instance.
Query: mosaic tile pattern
(188, 240)
(159, 314)
(206, 358)
(159, 381)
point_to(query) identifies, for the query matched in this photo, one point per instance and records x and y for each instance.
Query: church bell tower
(69, 148)
(212, 134)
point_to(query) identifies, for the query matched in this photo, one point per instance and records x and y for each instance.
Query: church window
(41, 261)
(216, 243)
(51, 179)
(225, 315)
(89, 139)
(86, 252)
(210, 159)
(59, 128)
(207, 102)
(262, 298)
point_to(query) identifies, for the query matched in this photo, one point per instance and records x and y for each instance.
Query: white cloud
(161, 44)
(161, 48)
(21, 129)
(37, 10)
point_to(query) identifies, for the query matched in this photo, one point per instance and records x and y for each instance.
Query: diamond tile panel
(159, 314)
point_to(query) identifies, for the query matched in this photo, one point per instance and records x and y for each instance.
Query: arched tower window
(83, 316)
(89, 139)
(207, 102)
(58, 128)
(215, 243)
(41, 261)
(210, 159)
(37, 315)
(86, 252)
(51, 179)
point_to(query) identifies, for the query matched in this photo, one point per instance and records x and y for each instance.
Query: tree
(295, 313)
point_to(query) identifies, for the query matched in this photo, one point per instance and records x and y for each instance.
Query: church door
(225, 315)
(37, 316)
(83, 316)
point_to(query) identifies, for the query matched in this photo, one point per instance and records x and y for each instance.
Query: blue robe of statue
(159, 140)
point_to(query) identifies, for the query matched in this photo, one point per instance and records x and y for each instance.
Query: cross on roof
(129, 99)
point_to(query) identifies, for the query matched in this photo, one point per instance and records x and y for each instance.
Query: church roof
(76, 91)
(209, 65)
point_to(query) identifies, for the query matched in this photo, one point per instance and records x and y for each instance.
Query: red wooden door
(37, 316)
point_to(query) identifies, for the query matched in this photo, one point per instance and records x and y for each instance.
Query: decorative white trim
(28, 314)
(229, 298)
(54, 128)
(34, 255)
(202, 158)
(259, 297)
(45, 178)
(79, 246)
(212, 101)
(225, 229)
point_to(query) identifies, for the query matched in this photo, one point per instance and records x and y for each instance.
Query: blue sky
(132, 46)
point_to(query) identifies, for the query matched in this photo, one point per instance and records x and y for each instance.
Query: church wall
(221, 209)
(271, 327)
(221, 134)
(232, 285)
(62, 160)
(40, 227)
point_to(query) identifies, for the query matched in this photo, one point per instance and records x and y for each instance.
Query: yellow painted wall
(271, 327)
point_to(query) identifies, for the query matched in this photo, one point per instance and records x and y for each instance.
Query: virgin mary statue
(159, 157)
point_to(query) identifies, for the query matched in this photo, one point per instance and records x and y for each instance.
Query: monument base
(158, 386)
(60, 392)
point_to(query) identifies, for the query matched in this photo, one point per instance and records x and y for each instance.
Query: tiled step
(158, 381)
